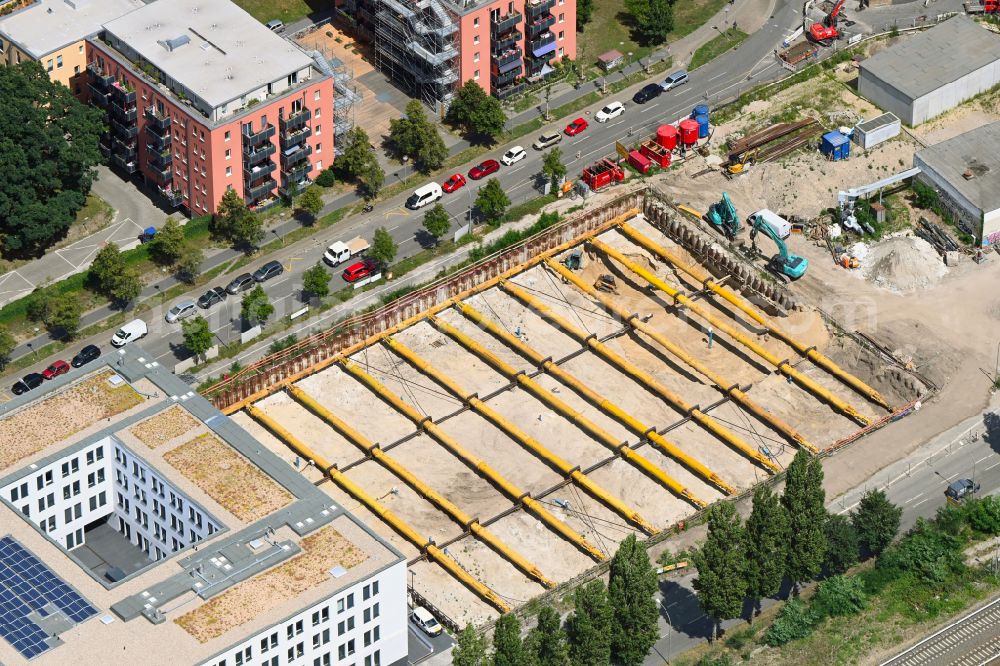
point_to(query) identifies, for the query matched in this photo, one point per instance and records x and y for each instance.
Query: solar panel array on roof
(27, 585)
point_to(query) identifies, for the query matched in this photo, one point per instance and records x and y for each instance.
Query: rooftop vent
(175, 43)
(975, 170)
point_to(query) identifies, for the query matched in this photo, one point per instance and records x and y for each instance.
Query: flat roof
(976, 152)
(237, 582)
(926, 61)
(211, 47)
(48, 25)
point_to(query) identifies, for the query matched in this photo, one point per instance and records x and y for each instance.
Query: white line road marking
(913, 498)
(983, 458)
(921, 502)
(992, 466)
(718, 76)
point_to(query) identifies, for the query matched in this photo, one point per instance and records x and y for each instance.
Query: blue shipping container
(835, 146)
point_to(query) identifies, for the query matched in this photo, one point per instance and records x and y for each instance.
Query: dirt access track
(508, 437)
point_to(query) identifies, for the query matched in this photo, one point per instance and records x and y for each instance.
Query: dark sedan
(240, 283)
(86, 355)
(211, 297)
(27, 383)
(652, 91)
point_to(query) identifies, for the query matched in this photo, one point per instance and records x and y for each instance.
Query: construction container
(639, 161)
(835, 146)
(870, 133)
(656, 153)
(700, 110)
(702, 120)
(602, 174)
(689, 132)
(666, 136)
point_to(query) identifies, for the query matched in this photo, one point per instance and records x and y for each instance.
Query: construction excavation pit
(510, 428)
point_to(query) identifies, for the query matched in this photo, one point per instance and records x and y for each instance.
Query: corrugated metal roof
(923, 63)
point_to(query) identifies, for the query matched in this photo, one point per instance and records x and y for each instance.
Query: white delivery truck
(340, 251)
(133, 330)
(778, 224)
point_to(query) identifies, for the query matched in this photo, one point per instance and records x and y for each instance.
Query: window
(560, 51)
(369, 591)
(229, 171)
(70, 538)
(475, 24)
(475, 40)
(229, 153)
(319, 147)
(318, 114)
(81, 48)
(562, 35)
(102, 498)
(228, 135)
(562, 18)
(475, 57)
(319, 130)
(59, 61)
(319, 165)
(52, 523)
(90, 457)
(316, 95)
(475, 75)
(93, 503)
(48, 66)
(320, 616)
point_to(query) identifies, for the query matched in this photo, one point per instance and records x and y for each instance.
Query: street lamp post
(669, 624)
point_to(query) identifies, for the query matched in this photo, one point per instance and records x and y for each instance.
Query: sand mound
(902, 264)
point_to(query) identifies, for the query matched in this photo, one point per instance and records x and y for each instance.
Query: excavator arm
(789, 264)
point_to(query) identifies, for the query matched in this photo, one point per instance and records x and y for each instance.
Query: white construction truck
(339, 252)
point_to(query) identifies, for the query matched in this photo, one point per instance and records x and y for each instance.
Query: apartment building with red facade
(431, 47)
(202, 98)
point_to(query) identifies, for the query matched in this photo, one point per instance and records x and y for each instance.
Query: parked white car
(612, 110)
(515, 154)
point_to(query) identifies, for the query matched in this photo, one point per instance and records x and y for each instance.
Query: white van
(778, 224)
(423, 619)
(422, 196)
(133, 330)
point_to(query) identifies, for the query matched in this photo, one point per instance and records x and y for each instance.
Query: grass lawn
(717, 46)
(283, 10)
(608, 29)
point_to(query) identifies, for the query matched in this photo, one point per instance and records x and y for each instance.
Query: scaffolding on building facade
(345, 93)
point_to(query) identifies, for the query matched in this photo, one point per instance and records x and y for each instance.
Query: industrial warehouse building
(927, 74)
(965, 170)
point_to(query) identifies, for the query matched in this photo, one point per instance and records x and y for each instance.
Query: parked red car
(359, 270)
(484, 169)
(56, 369)
(453, 183)
(576, 127)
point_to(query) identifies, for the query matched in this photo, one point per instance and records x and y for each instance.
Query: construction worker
(711, 336)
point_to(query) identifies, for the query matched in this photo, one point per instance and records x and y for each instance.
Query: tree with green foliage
(765, 538)
(652, 20)
(876, 520)
(492, 201)
(804, 500)
(188, 265)
(234, 222)
(588, 626)
(841, 595)
(924, 196)
(632, 586)
(371, 178)
(50, 149)
(928, 553)
(795, 620)
(356, 161)
(167, 244)
(109, 275)
(383, 249)
(983, 515)
(470, 648)
(311, 202)
(437, 222)
(7, 345)
(316, 281)
(508, 649)
(546, 642)
(553, 168)
(256, 307)
(841, 545)
(416, 136)
(479, 115)
(584, 12)
(326, 178)
(721, 583)
(197, 335)
(61, 316)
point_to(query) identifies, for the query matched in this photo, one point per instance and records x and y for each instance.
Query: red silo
(666, 136)
(689, 132)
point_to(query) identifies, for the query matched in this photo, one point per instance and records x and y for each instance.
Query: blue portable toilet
(700, 110)
(835, 146)
(702, 120)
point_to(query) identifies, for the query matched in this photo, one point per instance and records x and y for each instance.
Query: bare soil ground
(321, 551)
(62, 415)
(227, 477)
(165, 426)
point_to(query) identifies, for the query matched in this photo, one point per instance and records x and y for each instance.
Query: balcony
(296, 120)
(125, 149)
(295, 174)
(98, 96)
(121, 94)
(251, 138)
(126, 116)
(296, 136)
(156, 121)
(156, 141)
(508, 91)
(535, 8)
(504, 42)
(124, 131)
(164, 175)
(507, 57)
(105, 148)
(174, 197)
(160, 159)
(498, 80)
(98, 78)
(251, 156)
(499, 26)
(123, 163)
(264, 204)
(292, 156)
(258, 191)
(254, 174)
(535, 28)
(540, 43)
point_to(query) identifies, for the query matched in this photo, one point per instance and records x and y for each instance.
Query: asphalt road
(916, 483)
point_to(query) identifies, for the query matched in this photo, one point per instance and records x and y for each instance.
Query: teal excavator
(723, 215)
(784, 263)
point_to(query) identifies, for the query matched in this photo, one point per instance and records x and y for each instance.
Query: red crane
(824, 33)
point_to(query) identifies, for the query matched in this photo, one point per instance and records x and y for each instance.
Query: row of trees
(791, 537)
(614, 624)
